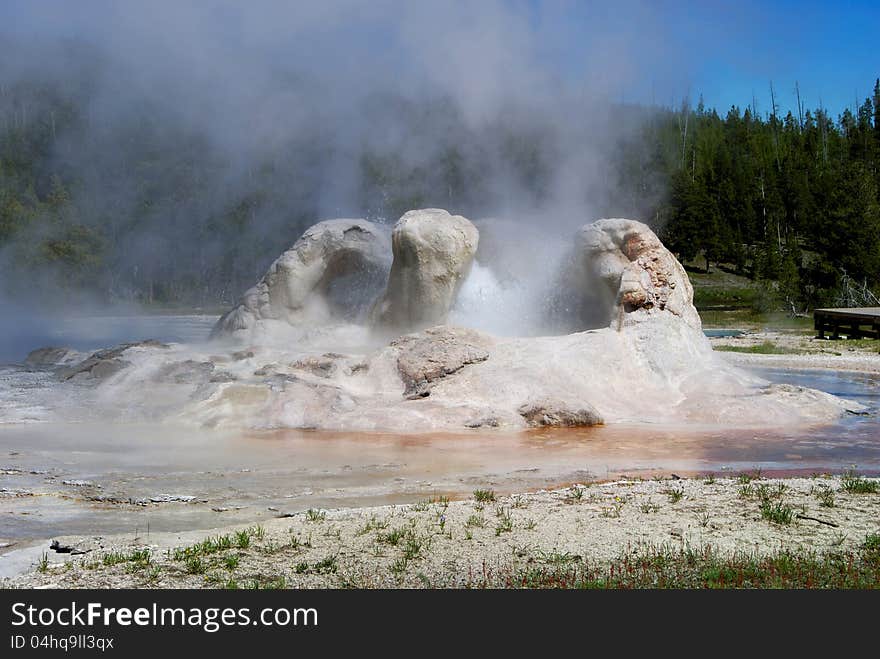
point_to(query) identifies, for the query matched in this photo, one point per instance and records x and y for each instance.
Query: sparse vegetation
(505, 522)
(315, 515)
(765, 348)
(776, 512)
(854, 484)
(326, 565)
(663, 567)
(674, 493)
(477, 521)
(825, 495)
(195, 565)
(484, 496)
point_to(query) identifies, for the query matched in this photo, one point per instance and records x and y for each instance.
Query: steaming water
(87, 333)
(247, 473)
(508, 308)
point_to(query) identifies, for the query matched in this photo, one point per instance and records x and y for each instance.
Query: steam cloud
(280, 101)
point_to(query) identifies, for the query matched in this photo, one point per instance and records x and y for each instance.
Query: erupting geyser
(309, 345)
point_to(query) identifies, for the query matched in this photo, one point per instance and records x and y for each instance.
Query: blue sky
(730, 51)
(635, 50)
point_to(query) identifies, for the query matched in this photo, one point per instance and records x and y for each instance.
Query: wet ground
(93, 478)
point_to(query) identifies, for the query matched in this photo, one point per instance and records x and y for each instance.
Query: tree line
(144, 209)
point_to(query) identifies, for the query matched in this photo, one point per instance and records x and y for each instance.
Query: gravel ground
(449, 544)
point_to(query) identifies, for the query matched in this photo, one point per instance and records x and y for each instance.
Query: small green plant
(477, 521)
(558, 558)
(392, 537)
(853, 484)
(139, 557)
(825, 495)
(242, 539)
(257, 532)
(838, 539)
(263, 583)
(231, 561)
(531, 525)
(399, 566)
(674, 493)
(326, 565)
(505, 523)
(777, 512)
(709, 480)
(484, 496)
(315, 515)
(112, 558)
(412, 548)
(649, 507)
(195, 565)
(612, 512)
(871, 545)
(43, 564)
(574, 494)
(301, 568)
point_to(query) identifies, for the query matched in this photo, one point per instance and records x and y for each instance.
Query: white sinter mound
(280, 363)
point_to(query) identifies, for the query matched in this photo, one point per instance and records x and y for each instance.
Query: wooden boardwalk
(853, 323)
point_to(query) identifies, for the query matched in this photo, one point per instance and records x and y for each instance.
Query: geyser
(293, 358)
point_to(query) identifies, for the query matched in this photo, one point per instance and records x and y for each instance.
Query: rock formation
(299, 285)
(433, 252)
(635, 271)
(646, 360)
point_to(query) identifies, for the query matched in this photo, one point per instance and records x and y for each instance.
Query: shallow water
(261, 474)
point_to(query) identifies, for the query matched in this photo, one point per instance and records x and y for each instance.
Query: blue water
(88, 333)
(722, 333)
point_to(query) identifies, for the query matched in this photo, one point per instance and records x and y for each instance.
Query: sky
(730, 52)
(639, 50)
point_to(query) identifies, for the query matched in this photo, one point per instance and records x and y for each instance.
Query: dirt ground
(448, 543)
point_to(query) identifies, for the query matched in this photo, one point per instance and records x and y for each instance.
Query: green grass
(476, 521)
(327, 565)
(747, 318)
(665, 567)
(765, 348)
(674, 493)
(195, 565)
(858, 485)
(392, 537)
(139, 557)
(825, 495)
(505, 522)
(484, 496)
(777, 512)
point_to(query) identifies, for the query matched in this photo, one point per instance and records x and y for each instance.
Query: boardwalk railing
(855, 323)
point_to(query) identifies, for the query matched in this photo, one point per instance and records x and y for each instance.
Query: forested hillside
(148, 209)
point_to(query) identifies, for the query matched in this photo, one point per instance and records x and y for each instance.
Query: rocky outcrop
(550, 412)
(633, 271)
(49, 357)
(304, 283)
(436, 353)
(433, 252)
(104, 363)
